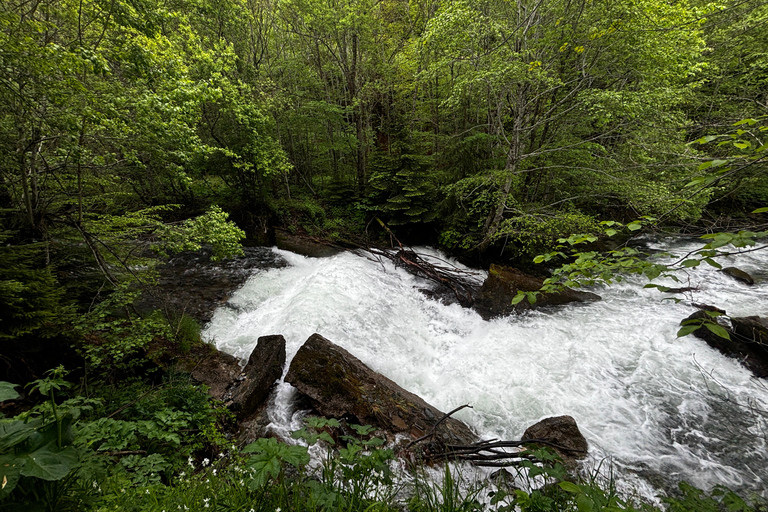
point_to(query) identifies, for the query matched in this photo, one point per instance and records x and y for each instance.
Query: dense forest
(134, 129)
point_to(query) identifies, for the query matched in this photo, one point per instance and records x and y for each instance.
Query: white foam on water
(661, 408)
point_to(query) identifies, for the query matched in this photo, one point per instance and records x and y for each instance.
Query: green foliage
(403, 187)
(38, 449)
(113, 336)
(719, 499)
(30, 296)
(269, 459)
(709, 322)
(8, 391)
(736, 173)
(211, 228)
(186, 333)
(529, 234)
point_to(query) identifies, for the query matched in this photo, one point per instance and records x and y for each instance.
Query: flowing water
(658, 408)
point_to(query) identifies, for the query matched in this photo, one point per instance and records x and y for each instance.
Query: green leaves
(8, 391)
(34, 449)
(270, 455)
(709, 322)
(48, 464)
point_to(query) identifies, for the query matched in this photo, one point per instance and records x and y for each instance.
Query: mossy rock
(341, 386)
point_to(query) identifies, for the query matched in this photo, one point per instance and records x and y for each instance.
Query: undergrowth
(164, 447)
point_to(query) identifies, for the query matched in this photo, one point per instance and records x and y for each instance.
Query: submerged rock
(501, 286)
(738, 275)
(563, 432)
(340, 385)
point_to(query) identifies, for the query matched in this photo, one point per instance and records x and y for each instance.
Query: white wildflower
(206, 461)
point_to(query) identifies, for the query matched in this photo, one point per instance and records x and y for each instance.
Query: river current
(654, 408)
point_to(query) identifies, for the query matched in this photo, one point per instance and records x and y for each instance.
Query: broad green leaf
(363, 430)
(518, 298)
(691, 263)
(717, 329)
(713, 263)
(48, 464)
(688, 329)
(584, 503)
(7, 391)
(10, 471)
(570, 487)
(16, 432)
(761, 210)
(718, 162)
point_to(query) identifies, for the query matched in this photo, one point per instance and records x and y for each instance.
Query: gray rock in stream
(563, 432)
(738, 275)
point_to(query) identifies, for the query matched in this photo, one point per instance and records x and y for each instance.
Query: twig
(434, 427)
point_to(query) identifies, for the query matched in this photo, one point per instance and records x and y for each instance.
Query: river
(654, 408)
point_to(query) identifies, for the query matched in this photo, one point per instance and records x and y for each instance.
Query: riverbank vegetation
(130, 130)
(103, 448)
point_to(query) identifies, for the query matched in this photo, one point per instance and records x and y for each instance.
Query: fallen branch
(488, 453)
(120, 453)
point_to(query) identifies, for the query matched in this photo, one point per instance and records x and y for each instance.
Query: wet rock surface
(243, 390)
(264, 368)
(748, 340)
(339, 385)
(191, 284)
(215, 369)
(563, 432)
(739, 275)
(495, 296)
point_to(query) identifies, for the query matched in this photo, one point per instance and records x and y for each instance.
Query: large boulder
(561, 434)
(261, 373)
(495, 296)
(339, 385)
(738, 275)
(747, 340)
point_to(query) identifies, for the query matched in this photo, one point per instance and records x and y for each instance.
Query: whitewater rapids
(659, 408)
